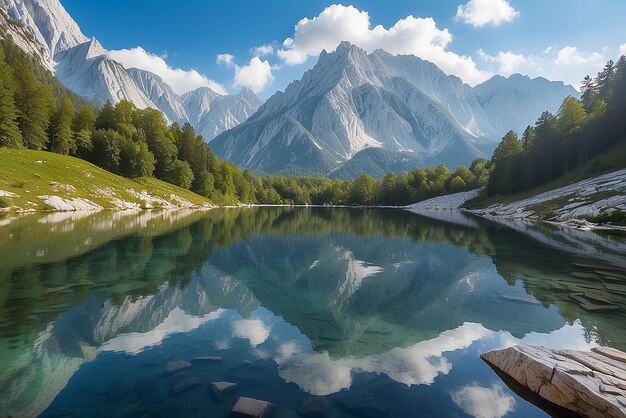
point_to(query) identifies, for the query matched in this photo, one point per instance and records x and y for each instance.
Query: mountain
(350, 101)
(212, 113)
(517, 101)
(377, 162)
(49, 25)
(45, 29)
(159, 93)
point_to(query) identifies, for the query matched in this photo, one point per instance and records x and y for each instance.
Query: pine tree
(10, 135)
(84, 125)
(34, 102)
(62, 139)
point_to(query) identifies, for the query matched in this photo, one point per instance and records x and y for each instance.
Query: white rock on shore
(590, 384)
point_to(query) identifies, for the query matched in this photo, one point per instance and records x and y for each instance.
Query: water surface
(367, 312)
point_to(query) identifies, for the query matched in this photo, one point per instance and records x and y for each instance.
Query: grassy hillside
(27, 175)
(611, 160)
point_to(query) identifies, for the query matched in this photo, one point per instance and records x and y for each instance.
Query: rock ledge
(589, 384)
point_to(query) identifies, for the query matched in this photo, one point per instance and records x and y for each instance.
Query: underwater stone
(249, 407)
(174, 366)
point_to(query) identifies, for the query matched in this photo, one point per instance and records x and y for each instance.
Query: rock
(249, 407)
(521, 298)
(185, 384)
(117, 390)
(222, 389)
(313, 407)
(207, 359)
(362, 404)
(590, 305)
(178, 365)
(589, 384)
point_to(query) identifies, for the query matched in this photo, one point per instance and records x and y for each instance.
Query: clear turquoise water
(377, 312)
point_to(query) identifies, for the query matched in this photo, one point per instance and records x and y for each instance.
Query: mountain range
(351, 101)
(353, 112)
(46, 30)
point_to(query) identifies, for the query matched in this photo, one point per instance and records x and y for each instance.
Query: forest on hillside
(561, 143)
(38, 112)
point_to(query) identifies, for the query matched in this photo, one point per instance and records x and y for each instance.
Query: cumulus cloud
(263, 50)
(256, 75)
(567, 64)
(481, 402)
(411, 35)
(570, 55)
(227, 59)
(486, 12)
(181, 81)
(622, 49)
(253, 330)
(508, 62)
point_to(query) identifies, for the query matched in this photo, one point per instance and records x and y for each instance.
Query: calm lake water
(373, 313)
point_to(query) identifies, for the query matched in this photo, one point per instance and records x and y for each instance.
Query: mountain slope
(159, 93)
(45, 29)
(212, 113)
(352, 100)
(517, 101)
(48, 23)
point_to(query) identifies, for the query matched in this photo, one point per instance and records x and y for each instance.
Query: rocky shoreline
(588, 384)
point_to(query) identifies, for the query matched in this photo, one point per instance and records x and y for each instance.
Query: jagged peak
(94, 49)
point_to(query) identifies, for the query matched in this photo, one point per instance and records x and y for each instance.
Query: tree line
(562, 142)
(38, 112)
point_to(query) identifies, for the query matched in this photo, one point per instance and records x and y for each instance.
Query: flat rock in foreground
(590, 384)
(249, 407)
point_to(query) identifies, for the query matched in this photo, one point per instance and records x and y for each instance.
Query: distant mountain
(517, 101)
(352, 100)
(45, 29)
(377, 162)
(212, 113)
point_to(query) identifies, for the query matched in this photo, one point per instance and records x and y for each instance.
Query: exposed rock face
(590, 384)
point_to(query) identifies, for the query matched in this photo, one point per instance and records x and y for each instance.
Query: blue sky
(474, 39)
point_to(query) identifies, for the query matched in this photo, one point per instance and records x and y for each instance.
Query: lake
(327, 311)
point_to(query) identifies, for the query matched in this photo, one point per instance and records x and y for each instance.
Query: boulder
(222, 389)
(249, 407)
(589, 384)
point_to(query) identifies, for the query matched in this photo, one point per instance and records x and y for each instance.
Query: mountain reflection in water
(384, 306)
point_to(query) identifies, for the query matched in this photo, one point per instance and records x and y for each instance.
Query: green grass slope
(26, 176)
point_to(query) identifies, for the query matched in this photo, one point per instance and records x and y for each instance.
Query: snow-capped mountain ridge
(351, 100)
(82, 64)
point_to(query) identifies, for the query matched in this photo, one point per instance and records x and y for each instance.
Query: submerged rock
(178, 365)
(590, 384)
(222, 389)
(249, 407)
(207, 359)
(185, 384)
(148, 390)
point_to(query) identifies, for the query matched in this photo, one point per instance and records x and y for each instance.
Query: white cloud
(567, 64)
(571, 56)
(411, 35)
(622, 49)
(177, 321)
(481, 402)
(256, 75)
(486, 12)
(253, 330)
(227, 59)
(263, 50)
(508, 62)
(181, 81)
